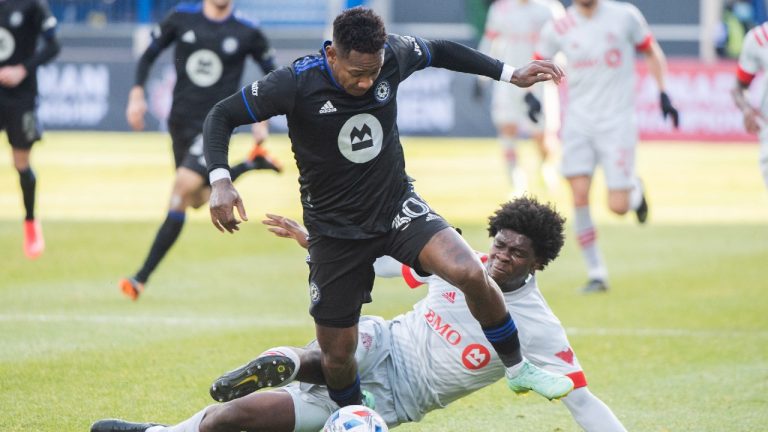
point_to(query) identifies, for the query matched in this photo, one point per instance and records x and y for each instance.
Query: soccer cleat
(116, 425)
(270, 369)
(550, 385)
(260, 158)
(34, 244)
(131, 288)
(368, 399)
(642, 211)
(595, 286)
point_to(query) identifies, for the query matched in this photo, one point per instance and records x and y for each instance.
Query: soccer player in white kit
(599, 39)
(753, 59)
(511, 33)
(421, 360)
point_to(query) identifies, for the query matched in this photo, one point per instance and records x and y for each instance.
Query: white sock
(513, 370)
(291, 354)
(515, 173)
(191, 424)
(636, 194)
(592, 414)
(587, 236)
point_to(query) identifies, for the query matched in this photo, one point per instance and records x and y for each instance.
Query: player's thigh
(340, 278)
(183, 137)
(22, 125)
(579, 156)
(616, 152)
(543, 340)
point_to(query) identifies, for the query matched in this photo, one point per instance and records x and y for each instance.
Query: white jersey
(512, 29)
(441, 354)
(754, 58)
(600, 55)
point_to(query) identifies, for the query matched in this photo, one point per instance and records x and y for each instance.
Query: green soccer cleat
(369, 400)
(270, 369)
(550, 385)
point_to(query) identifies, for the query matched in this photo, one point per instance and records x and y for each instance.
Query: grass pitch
(679, 344)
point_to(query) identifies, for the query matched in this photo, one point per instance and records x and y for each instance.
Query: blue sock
(347, 396)
(504, 339)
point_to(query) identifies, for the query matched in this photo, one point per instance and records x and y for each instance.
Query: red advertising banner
(702, 94)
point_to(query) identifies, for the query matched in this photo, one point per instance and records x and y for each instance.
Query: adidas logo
(450, 296)
(189, 37)
(327, 108)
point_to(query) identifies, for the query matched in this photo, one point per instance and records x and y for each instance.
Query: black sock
(351, 395)
(28, 182)
(505, 341)
(166, 236)
(240, 169)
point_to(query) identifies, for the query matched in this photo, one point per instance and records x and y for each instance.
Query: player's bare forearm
(657, 64)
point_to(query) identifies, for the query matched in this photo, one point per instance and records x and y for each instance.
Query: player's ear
(330, 53)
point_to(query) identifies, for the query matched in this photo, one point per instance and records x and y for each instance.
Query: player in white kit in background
(753, 59)
(421, 360)
(511, 32)
(599, 39)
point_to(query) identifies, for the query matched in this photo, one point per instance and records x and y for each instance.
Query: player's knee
(619, 207)
(178, 202)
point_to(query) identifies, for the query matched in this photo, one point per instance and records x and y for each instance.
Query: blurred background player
(411, 368)
(212, 43)
(24, 23)
(598, 39)
(511, 33)
(753, 59)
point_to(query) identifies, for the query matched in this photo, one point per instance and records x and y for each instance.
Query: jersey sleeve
(163, 35)
(549, 44)
(273, 95)
(412, 54)
(639, 32)
(46, 25)
(261, 51)
(388, 267)
(749, 63)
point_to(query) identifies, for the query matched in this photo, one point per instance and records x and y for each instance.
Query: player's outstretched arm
(752, 117)
(657, 66)
(224, 199)
(284, 227)
(537, 71)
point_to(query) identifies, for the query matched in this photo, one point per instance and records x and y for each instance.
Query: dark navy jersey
(209, 58)
(22, 24)
(347, 148)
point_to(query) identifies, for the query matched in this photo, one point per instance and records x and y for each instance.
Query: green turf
(679, 344)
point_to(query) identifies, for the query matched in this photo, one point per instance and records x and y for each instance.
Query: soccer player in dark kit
(24, 23)
(212, 44)
(358, 201)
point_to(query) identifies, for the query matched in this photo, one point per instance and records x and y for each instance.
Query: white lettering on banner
(443, 329)
(425, 102)
(73, 94)
(701, 93)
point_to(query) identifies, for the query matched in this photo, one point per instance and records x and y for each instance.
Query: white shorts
(542, 338)
(612, 147)
(312, 403)
(508, 107)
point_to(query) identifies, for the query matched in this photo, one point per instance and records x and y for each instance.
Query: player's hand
(753, 120)
(284, 227)
(537, 71)
(667, 110)
(224, 199)
(137, 107)
(534, 107)
(12, 76)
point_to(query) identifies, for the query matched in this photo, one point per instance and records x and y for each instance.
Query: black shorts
(21, 124)
(188, 147)
(341, 271)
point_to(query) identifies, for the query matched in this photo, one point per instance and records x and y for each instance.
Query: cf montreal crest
(382, 91)
(360, 138)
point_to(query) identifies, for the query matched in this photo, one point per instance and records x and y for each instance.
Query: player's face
(511, 259)
(586, 3)
(221, 4)
(355, 72)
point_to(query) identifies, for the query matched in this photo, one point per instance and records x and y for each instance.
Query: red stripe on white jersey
(765, 33)
(744, 77)
(645, 45)
(409, 278)
(537, 56)
(491, 34)
(757, 38)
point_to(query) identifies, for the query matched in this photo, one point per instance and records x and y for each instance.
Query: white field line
(210, 322)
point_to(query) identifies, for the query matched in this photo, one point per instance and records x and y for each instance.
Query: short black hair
(359, 29)
(539, 222)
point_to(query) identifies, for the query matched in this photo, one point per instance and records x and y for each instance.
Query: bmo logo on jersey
(360, 138)
(204, 68)
(7, 44)
(475, 356)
